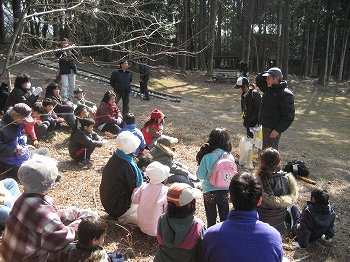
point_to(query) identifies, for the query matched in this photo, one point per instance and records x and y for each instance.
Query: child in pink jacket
(151, 198)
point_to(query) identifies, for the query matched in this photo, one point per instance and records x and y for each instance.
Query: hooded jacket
(281, 193)
(277, 109)
(20, 95)
(179, 239)
(315, 220)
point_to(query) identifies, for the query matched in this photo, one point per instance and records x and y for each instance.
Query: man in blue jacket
(121, 80)
(276, 109)
(243, 237)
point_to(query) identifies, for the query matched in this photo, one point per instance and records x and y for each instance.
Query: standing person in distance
(243, 68)
(144, 77)
(250, 104)
(277, 109)
(67, 69)
(121, 80)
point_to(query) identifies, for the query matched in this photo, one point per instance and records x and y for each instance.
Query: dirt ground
(319, 136)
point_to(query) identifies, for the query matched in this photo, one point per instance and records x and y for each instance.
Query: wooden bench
(225, 74)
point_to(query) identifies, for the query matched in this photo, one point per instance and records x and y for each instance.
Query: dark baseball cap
(274, 72)
(24, 110)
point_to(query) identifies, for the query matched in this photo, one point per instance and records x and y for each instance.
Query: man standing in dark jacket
(144, 77)
(276, 109)
(121, 80)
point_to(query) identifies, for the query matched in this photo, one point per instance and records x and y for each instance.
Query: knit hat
(166, 140)
(181, 194)
(241, 81)
(127, 142)
(155, 114)
(38, 174)
(78, 90)
(23, 110)
(157, 172)
(274, 72)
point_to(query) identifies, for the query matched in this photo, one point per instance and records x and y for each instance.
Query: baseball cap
(166, 140)
(38, 174)
(182, 194)
(78, 90)
(241, 81)
(157, 172)
(275, 72)
(24, 110)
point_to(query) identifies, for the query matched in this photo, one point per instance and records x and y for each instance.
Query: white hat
(241, 81)
(127, 142)
(157, 172)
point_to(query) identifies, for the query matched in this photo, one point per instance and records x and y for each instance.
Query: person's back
(242, 237)
(129, 125)
(179, 232)
(317, 218)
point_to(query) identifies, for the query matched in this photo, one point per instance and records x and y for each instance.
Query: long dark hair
(50, 88)
(218, 138)
(269, 163)
(108, 95)
(21, 79)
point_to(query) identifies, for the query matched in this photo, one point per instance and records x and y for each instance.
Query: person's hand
(94, 109)
(86, 212)
(37, 91)
(104, 142)
(274, 133)
(36, 143)
(119, 120)
(19, 150)
(60, 120)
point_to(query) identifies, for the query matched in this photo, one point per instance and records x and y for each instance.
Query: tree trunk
(211, 36)
(345, 38)
(285, 43)
(2, 24)
(332, 54)
(324, 62)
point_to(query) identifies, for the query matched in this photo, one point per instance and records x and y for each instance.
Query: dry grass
(319, 136)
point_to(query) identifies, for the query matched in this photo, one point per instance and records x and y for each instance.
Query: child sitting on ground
(143, 160)
(79, 99)
(91, 233)
(316, 219)
(50, 115)
(129, 125)
(79, 112)
(84, 141)
(180, 233)
(153, 128)
(163, 153)
(151, 198)
(35, 130)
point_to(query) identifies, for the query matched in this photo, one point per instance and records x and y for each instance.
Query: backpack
(296, 167)
(223, 171)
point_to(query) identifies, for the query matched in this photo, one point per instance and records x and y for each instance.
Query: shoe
(85, 162)
(146, 98)
(326, 238)
(293, 218)
(193, 178)
(58, 177)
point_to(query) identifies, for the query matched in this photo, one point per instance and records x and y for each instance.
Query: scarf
(131, 160)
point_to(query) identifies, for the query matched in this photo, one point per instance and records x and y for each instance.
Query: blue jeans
(12, 186)
(68, 85)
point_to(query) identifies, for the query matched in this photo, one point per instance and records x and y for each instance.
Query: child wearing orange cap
(180, 233)
(153, 127)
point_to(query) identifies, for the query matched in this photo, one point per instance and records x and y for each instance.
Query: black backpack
(297, 167)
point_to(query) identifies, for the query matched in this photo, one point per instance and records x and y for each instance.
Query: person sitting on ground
(163, 153)
(22, 92)
(317, 218)
(151, 198)
(62, 108)
(35, 229)
(108, 116)
(36, 129)
(179, 232)
(50, 116)
(153, 128)
(80, 112)
(91, 234)
(9, 192)
(129, 125)
(84, 141)
(217, 145)
(143, 160)
(120, 177)
(280, 190)
(79, 99)
(242, 237)
(4, 93)
(14, 150)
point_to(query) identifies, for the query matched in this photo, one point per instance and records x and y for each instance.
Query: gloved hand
(86, 212)
(36, 143)
(119, 120)
(94, 109)
(71, 213)
(37, 91)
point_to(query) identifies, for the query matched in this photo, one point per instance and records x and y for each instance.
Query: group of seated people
(142, 183)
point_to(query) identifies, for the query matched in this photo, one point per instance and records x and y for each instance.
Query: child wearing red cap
(180, 233)
(153, 128)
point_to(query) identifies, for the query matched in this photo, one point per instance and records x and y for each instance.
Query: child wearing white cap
(151, 198)
(179, 232)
